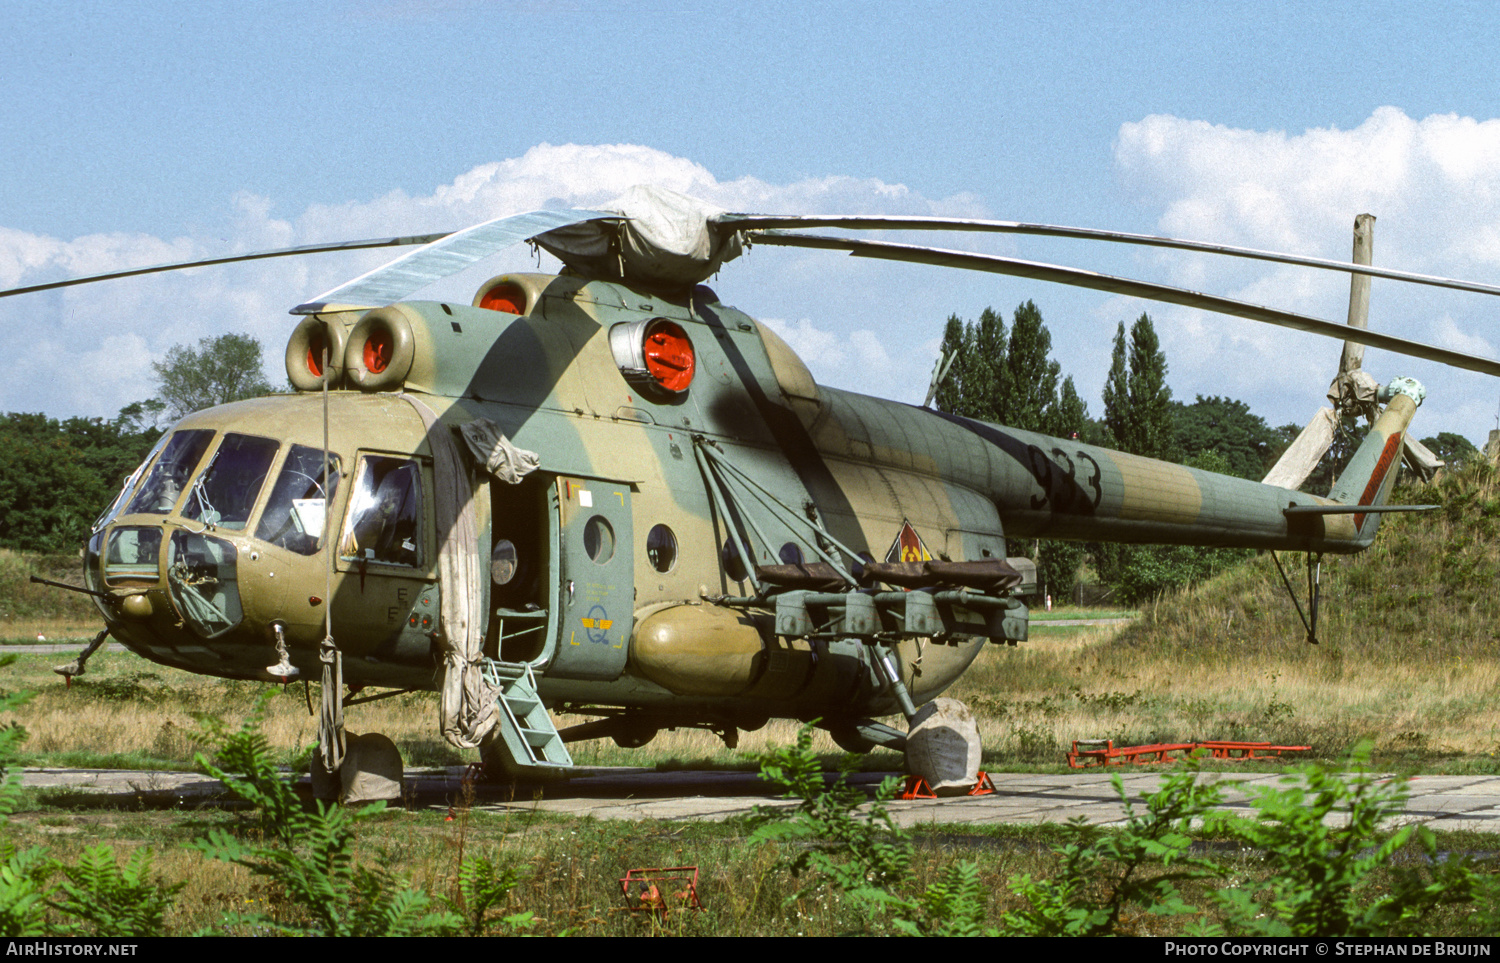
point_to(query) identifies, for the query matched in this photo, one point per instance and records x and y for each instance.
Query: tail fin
(1371, 473)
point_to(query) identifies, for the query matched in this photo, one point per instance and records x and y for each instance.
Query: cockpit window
(224, 494)
(163, 487)
(385, 513)
(202, 575)
(135, 476)
(293, 517)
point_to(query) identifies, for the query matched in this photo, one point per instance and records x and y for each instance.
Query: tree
(1117, 391)
(1031, 376)
(1137, 401)
(1452, 448)
(220, 370)
(1248, 445)
(1012, 381)
(1070, 415)
(988, 376)
(57, 476)
(957, 345)
(1138, 411)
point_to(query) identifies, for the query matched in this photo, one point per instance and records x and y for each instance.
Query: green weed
(311, 861)
(1100, 874)
(860, 850)
(1320, 838)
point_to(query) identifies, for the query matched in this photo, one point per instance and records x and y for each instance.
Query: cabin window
(599, 539)
(133, 554)
(385, 513)
(503, 562)
(164, 485)
(661, 548)
(294, 514)
(128, 487)
(224, 494)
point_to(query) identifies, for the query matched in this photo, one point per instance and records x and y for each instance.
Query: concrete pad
(1440, 802)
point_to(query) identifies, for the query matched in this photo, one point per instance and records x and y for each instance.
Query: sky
(134, 134)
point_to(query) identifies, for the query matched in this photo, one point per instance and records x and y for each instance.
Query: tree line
(1007, 376)
(58, 475)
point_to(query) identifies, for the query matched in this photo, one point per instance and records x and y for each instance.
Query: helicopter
(604, 492)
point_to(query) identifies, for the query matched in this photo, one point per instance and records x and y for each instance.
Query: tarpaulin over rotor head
(669, 238)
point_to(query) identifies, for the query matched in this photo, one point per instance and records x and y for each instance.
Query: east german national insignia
(908, 546)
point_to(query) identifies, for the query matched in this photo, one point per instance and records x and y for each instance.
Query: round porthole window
(503, 562)
(661, 548)
(599, 539)
(734, 566)
(791, 554)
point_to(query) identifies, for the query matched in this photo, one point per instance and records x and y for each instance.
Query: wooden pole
(1359, 291)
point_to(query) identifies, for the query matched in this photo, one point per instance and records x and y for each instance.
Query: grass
(28, 609)
(570, 868)
(1064, 612)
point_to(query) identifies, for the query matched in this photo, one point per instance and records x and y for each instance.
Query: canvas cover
(467, 710)
(1303, 455)
(669, 238)
(496, 453)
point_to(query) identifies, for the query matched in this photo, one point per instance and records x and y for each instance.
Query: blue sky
(138, 133)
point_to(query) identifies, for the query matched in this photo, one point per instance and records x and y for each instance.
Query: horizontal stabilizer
(1353, 509)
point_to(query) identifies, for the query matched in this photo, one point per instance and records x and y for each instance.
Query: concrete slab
(1441, 802)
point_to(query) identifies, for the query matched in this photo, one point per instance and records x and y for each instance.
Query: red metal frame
(917, 787)
(659, 889)
(1104, 752)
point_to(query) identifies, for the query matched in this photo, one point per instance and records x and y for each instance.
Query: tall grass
(28, 609)
(1406, 655)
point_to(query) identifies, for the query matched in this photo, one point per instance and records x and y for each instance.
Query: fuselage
(613, 568)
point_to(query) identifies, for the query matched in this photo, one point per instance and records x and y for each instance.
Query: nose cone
(136, 607)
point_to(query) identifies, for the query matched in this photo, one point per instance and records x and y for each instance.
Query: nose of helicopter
(163, 586)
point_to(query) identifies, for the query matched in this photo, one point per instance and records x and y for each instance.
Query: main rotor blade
(875, 222)
(1303, 454)
(447, 256)
(231, 259)
(1077, 277)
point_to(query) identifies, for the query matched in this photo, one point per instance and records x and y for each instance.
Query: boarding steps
(525, 730)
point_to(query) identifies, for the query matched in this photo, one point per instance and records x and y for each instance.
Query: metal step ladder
(526, 730)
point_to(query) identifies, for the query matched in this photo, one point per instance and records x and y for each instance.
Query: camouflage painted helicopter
(606, 493)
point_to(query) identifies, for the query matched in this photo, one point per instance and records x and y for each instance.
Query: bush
(312, 860)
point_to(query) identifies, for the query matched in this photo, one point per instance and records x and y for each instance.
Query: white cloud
(87, 350)
(813, 345)
(1434, 185)
(858, 360)
(1450, 336)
